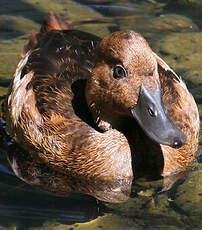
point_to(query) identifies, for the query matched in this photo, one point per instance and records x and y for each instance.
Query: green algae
(183, 52)
(194, 77)
(180, 45)
(190, 8)
(154, 27)
(99, 29)
(67, 8)
(191, 4)
(174, 23)
(10, 55)
(200, 110)
(17, 24)
(3, 92)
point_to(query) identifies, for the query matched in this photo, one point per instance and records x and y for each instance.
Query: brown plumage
(69, 110)
(51, 22)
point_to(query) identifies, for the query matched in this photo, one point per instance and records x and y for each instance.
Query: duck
(90, 115)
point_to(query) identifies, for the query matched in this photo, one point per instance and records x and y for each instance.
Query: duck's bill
(151, 116)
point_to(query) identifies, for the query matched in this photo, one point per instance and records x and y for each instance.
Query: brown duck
(90, 115)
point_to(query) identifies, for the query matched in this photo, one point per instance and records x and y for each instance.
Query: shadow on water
(18, 200)
(21, 8)
(4, 82)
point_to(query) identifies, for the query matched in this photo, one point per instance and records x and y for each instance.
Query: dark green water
(174, 30)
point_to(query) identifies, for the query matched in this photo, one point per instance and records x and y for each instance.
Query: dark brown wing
(61, 63)
(182, 109)
(165, 69)
(52, 22)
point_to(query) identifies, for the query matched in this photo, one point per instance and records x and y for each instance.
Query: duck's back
(60, 63)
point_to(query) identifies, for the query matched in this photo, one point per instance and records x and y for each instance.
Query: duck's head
(125, 83)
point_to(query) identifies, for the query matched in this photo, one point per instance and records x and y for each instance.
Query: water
(174, 32)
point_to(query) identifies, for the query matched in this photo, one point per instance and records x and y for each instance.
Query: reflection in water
(21, 201)
(18, 200)
(37, 173)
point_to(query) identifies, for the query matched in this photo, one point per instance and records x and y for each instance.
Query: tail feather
(33, 40)
(52, 22)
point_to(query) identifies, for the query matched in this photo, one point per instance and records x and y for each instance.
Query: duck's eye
(119, 72)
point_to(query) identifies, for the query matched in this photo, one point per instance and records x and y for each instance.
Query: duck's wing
(182, 109)
(55, 72)
(165, 69)
(52, 22)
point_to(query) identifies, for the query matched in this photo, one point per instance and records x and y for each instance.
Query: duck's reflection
(37, 173)
(21, 201)
(18, 201)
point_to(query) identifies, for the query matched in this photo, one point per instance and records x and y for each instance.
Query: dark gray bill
(151, 116)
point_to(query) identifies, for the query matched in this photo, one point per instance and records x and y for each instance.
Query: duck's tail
(52, 22)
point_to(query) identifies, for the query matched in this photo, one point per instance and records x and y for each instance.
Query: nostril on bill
(177, 143)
